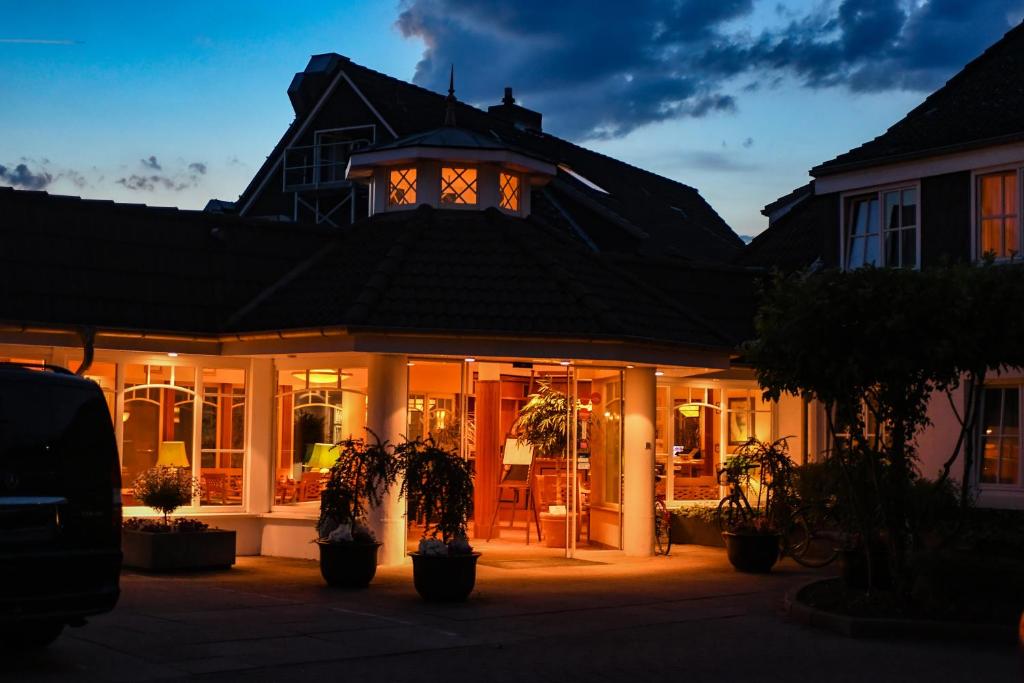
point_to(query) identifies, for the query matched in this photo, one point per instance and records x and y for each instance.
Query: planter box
(696, 531)
(172, 551)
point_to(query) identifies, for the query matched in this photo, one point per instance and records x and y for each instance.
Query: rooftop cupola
(449, 168)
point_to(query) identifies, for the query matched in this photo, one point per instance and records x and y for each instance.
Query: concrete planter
(174, 551)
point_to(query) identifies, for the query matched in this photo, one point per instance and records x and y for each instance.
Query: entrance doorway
(545, 440)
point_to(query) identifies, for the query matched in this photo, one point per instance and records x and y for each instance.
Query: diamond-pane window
(402, 187)
(508, 187)
(458, 185)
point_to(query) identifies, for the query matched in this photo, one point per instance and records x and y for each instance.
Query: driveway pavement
(688, 617)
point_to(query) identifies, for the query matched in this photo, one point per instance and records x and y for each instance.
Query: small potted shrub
(179, 544)
(753, 536)
(438, 486)
(359, 479)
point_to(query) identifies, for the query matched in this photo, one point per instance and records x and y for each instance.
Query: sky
(171, 104)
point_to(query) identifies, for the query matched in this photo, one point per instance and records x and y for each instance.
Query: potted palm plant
(438, 486)
(360, 478)
(542, 422)
(753, 529)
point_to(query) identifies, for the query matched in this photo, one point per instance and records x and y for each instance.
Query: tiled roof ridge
(542, 134)
(579, 291)
(375, 286)
(609, 264)
(133, 207)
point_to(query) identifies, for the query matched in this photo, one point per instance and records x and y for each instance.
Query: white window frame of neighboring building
(846, 198)
(1017, 486)
(1018, 168)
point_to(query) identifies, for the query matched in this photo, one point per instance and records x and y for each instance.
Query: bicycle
(662, 526)
(813, 537)
(734, 510)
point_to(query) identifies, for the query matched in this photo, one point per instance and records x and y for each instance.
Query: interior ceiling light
(471, 360)
(321, 376)
(173, 354)
(658, 373)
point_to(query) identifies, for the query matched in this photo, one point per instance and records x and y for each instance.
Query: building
(941, 185)
(413, 265)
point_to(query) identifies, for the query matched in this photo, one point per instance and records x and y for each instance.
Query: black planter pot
(348, 564)
(752, 553)
(444, 578)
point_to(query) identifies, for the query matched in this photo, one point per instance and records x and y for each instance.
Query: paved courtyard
(688, 617)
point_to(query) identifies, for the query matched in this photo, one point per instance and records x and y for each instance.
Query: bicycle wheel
(662, 528)
(813, 538)
(730, 514)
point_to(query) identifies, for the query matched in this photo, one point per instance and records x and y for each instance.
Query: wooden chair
(286, 491)
(516, 485)
(310, 486)
(214, 488)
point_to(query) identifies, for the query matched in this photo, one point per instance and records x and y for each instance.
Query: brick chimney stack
(520, 117)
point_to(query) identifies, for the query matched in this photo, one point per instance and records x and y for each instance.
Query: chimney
(520, 117)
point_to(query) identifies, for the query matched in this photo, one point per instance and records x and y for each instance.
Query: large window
(998, 229)
(1000, 436)
(458, 186)
(316, 408)
(881, 229)
(222, 445)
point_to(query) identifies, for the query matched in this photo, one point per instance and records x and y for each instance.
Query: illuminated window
(402, 187)
(1000, 436)
(997, 214)
(508, 186)
(458, 185)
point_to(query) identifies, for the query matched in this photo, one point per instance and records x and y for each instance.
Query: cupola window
(402, 187)
(508, 187)
(458, 185)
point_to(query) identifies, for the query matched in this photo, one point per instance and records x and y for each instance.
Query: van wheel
(30, 636)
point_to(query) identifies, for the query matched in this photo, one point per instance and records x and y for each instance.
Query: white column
(387, 403)
(638, 462)
(259, 456)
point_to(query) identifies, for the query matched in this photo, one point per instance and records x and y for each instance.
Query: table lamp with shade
(323, 457)
(172, 454)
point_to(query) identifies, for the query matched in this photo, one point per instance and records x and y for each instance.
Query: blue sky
(738, 98)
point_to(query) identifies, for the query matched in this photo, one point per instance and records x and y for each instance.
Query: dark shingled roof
(72, 262)
(648, 213)
(69, 261)
(472, 272)
(980, 106)
(797, 239)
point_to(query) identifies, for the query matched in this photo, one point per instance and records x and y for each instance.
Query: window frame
(502, 173)
(403, 170)
(846, 200)
(441, 204)
(976, 175)
(979, 440)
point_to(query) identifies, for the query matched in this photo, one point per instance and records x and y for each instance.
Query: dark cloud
(715, 161)
(149, 183)
(197, 167)
(748, 143)
(600, 69)
(151, 163)
(22, 178)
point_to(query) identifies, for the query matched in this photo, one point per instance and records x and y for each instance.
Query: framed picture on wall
(739, 420)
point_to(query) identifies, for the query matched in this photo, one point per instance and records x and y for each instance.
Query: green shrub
(165, 489)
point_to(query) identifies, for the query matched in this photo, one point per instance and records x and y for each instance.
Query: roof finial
(449, 110)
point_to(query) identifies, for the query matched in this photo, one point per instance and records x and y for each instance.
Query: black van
(60, 504)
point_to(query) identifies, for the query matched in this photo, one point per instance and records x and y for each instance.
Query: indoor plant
(438, 486)
(359, 479)
(181, 544)
(753, 540)
(542, 422)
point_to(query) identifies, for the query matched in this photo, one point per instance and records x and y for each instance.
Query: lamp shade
(690, 410)
(172, 454)
(324, 455)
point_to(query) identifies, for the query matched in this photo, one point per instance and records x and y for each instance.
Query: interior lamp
(171, 454)
(323, 457)
(690, 410)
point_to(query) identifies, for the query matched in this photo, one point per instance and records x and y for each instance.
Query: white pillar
(259, 457)
(638, 462)
(387, 403)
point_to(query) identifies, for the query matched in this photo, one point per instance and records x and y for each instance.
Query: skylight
(586, 181)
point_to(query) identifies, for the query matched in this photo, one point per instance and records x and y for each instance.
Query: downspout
(88, 336)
